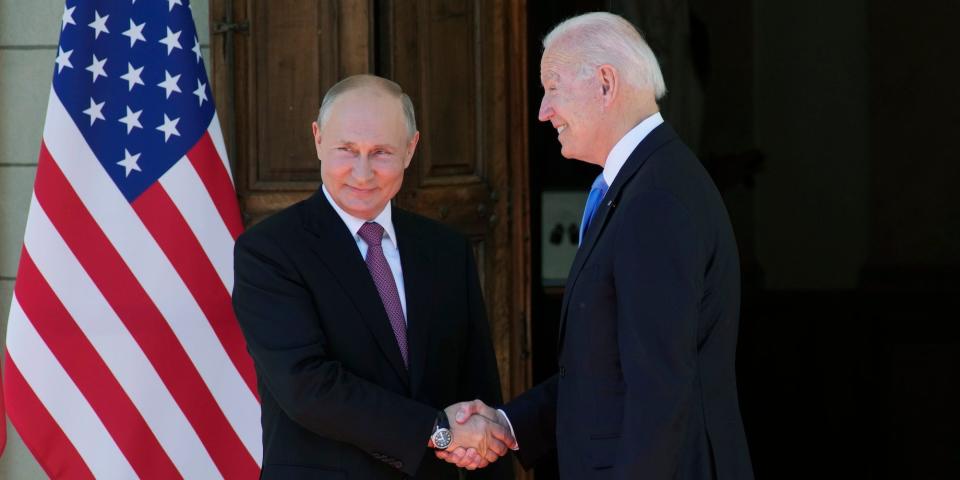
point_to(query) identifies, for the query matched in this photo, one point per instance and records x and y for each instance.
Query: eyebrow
(382, 146)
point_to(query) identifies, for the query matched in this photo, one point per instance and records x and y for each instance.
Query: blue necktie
(597, 191)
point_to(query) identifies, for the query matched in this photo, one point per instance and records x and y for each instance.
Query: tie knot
(372, 233)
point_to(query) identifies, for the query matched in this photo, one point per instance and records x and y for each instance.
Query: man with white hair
(646, 385)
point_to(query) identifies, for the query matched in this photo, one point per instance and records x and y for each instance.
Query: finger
(456, 455)
(472, 458)
(490, 453)
(497, 447)
(461, 458)
(467, 409)
(498, 432)
(445, 456)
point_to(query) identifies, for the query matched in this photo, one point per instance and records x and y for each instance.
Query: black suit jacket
(646, 385)
(337, 401)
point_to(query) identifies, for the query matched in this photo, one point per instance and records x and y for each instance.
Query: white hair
(361, 81)
(599, 38)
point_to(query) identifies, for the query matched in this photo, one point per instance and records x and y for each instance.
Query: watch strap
(442, 420)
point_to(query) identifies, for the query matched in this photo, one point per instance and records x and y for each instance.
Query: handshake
(481, 435)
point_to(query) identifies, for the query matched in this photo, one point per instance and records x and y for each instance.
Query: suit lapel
(650, 144)
(338, 250)
(418, 280)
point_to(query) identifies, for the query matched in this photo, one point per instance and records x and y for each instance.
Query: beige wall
(28, 41)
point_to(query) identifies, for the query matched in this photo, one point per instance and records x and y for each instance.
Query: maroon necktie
(372, 233)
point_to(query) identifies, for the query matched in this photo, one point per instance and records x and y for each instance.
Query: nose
(546, 111)
(362, 170)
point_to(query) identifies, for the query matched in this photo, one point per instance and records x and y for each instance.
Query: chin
(366, 212)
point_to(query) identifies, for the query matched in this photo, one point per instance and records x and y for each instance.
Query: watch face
(442, 438)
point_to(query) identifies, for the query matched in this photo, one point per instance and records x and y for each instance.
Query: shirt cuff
(504, 416)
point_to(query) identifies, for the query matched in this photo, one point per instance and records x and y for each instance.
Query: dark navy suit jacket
(646, 386)
(337, 401)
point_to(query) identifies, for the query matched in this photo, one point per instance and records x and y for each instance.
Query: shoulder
(420, 227)
(280, 227)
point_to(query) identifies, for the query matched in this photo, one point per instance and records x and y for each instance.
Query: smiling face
(364, 147)
(573, 103)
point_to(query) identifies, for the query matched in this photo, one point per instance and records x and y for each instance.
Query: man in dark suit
(646, 386)
(364, 320)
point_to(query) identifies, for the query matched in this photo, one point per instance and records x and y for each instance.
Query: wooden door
(463, 64)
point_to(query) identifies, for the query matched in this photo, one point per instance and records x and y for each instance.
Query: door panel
(463, 64)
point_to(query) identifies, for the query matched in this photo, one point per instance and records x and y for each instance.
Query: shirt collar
(384, 218)
(622, 150)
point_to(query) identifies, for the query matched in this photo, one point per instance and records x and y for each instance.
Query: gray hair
(599, 38)
(355, 82)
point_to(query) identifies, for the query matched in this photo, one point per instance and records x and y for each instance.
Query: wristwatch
(442, 437)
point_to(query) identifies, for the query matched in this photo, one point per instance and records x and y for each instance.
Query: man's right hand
(480, 435)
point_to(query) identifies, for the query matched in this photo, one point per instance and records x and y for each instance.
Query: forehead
(366, 111)
(556, 62)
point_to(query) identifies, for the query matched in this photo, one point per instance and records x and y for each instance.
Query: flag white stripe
(61, 397)
(153, 270)
(217, 136)
(192, 199)
(113, 342)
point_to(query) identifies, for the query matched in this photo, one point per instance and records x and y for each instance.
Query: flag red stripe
(167, 225)
(39, 431)
(216, 178)
(90, 374)
(146, 324)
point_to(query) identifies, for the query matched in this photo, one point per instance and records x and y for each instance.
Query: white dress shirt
(390, 248)
(621, 151)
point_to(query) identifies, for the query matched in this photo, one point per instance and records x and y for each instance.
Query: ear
(411, 147)
(609, 83)
(316, 137)
(316, 133)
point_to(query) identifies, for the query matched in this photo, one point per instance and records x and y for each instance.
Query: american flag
(124, 359)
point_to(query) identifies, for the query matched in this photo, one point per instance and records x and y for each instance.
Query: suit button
(563, 371)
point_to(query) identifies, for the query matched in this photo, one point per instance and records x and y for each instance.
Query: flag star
(170, 83)
(172, 40)
(99, 24)
(196, 48)
(132, 120)
(67, 18)
(96, 68)
(95, 111)
(171, 3)
(169, 127)
(201, 91)
(63, 59)
(135, 32)
(129, 162)
(132, 76)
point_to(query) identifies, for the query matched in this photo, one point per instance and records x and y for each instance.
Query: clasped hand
(480, 435)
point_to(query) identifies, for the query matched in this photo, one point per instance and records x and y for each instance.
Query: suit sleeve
(534, 418)
(480, 378)
(290, 351)
(658, 279)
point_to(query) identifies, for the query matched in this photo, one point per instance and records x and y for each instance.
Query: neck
(622, 122)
